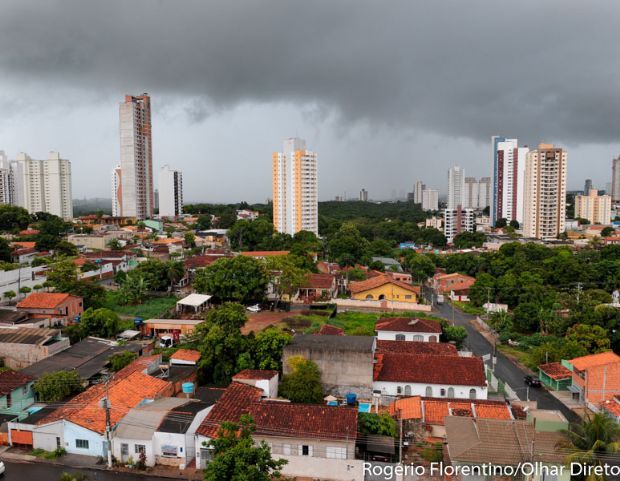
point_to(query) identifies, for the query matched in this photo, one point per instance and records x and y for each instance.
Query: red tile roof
(201, 261)
(186, 355)
(329, 330)
(594, 360)
(318, 281)
(612, 406)
(29, 232)
(428, 369)
(10, 380)
(416, 347)
(435, 410)
(407, 324)
(379, 281)
(555, 370)
(264, 253)
(258, 374)
(44, 300)
(274, 418)
(409, 407)
(492, 411)
(24, 244)
(235, 402)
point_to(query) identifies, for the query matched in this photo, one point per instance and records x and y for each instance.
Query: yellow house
(384, 288)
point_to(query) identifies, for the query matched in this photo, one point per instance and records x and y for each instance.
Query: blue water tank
(187, 387)
(351, 398)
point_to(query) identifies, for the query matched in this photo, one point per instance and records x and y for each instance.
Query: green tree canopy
(121, 359)
(100, 322)
(382, 424)
(303, 383)
(56, 386)
(240, 279)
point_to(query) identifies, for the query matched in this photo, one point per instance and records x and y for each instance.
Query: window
(432, 339)
(305, 450)
(407, 390)
(369, 297)
(442, 392)
(429, 391)
(140, 448)
(450, 392)
(472, 393)
(400, 337)
(124, 449)
(399, 390)
(407, 296)
(81, 443)
(334, 452)
(418, 337)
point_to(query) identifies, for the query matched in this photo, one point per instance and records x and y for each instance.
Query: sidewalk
(77, 461)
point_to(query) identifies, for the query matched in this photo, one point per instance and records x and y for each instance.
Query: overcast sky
(387, 92)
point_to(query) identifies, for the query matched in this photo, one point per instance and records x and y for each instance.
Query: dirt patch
(262, 320)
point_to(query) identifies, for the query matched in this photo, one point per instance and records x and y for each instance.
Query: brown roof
(555, 370)
(318, 281)
(258, 374)
(594, 360)
(10, 380)
(186, 355)
(329, 330)
(304, 420)
(417, 347)
(195, 262)
(264, 253)
(407, 324)
(379, 281)
(422, 368)
(435, 410)
(44, 300)
(407, 408)
(235, 402)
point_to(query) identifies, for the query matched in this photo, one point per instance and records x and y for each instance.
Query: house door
(124, 452)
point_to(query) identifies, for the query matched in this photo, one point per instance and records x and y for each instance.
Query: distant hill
(92, 206)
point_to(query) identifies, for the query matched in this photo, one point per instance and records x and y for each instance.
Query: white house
(407, 329)
(399, 374)
(260, 378)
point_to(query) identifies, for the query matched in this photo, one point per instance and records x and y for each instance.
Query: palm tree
(592, 442)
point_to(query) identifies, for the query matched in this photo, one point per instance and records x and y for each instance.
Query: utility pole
(108, 423)
(400, 436)
(579, 289)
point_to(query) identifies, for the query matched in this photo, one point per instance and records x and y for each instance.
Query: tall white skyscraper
(615, 180)
(545, 192)
(117, 191)
(136, 157)
(457, 221)
(472, 192)
(430, 199)
(6, 180)
(295, 188)
(508, 179)
(456, 187)
(417, 191)
(43, 185)
(170, 192)
(484, 192)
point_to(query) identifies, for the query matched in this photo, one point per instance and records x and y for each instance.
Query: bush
(433, 453)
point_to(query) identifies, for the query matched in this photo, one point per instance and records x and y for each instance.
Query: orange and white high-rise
(295, 188)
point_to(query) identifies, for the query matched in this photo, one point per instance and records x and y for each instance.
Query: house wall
(389, 292)
(419, 389)
(44, 436)
(117, 443)
(409, 336)
(324, 469)
(171, 439)
(20, 356)
(21, 398)
(200, 442)
(381, 305)
(95, 440)
(67, 309)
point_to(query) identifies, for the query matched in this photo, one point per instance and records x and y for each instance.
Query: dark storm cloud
(460, 68)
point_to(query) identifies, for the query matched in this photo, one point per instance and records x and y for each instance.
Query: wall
(19, 356)
(409, 336)
(383, 305)
(44, 436)
(73, 432)
(419, 389)
(171, 439)
(389, 292)
(21, 398)
(24, 277)
(131, 453)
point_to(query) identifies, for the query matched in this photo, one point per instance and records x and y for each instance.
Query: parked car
(166, 341)
(254, 308)
(2, 468)
(531, 381)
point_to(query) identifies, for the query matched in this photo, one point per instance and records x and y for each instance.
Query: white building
(6, 196)
(417, 191)
(456, 187)
(117, 192)
(596, 208)
(477, 193)
(509, 178)
(170, 192)
(136, 157)
(43, 185)
(484, 192)
(457, 221)
(545, 192)
(407, 329)
(295, 188)
(430, 199)
(615, 180)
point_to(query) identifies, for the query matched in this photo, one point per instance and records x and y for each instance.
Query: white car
(254, 308)
(2, 468)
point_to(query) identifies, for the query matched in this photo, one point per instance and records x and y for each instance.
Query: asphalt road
(505, 369)
(49, 472)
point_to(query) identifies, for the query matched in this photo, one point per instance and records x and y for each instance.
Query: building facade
(615, 180)
(457, 221)
(117, 191)
(545, 192)
(430, 199)
(596, 208)
(170, 192)
(42, 185)
(470, 198)
(5, 180)
(295, 188)
(417, 191)
(364, 195)
(456, 187)
(508, 180)
(136, 157)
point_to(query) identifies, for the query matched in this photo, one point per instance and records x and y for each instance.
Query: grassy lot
(154, 307)
(353, 323)
(469, 308)
(514, 352)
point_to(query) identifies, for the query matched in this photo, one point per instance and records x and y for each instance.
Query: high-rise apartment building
(430, 199)
(170, 192)
(456, 187)
(508, 179)
(117, 191)
(136, 157)
(484, 192)
(457, 221)
(6, 180)
(587, 187)
(596, 208)
(472, 193)
(43, 185)
(615, 180)
(545, 192)
(364, 195)
(295, 188)
(417, 191)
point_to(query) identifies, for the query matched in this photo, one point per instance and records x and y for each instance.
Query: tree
(10, 295)
(114, 244)
(607, 231)
(421, 266)
(382, 424)
(240, 279)
(456, 334)
(159, 275)
(204, 222)
(190, 239)
(133, 289)
(592, 442)
(514, 224)
(593, 338)
(468, 240)
(5, 250)
(483, 289)
(250, 234)
(287, 278)
(13, 218)
(65, 248)
(63, 276)
(501, 223)
(347, 246)
(100, 322)
(121, 359)
(58, 385)
(237, 457)
(526, 317)
(303, 383)
(267, 348)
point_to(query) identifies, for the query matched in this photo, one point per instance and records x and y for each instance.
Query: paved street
(49, 472)
(505, 369)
